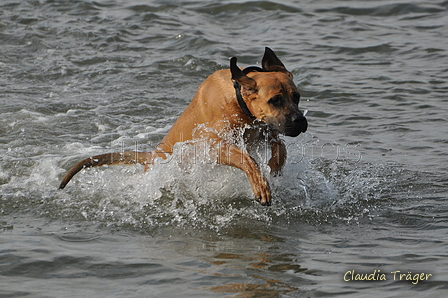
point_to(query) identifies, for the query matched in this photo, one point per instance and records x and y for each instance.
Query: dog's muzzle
(295, 124)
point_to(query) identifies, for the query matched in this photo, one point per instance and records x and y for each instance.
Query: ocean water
(363, 194)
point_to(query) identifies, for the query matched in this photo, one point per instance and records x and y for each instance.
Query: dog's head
(270, 94)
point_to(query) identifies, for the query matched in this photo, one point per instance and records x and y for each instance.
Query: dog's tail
(125, 158)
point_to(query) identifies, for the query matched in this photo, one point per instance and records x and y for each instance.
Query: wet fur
(270, 96)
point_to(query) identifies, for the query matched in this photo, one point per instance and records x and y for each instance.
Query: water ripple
(366, 185)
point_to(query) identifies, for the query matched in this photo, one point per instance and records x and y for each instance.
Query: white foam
(180, 191)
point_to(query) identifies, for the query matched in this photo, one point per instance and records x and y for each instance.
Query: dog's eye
(276, 100)
(296, 97)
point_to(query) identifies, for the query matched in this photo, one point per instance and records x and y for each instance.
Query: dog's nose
(300, 121)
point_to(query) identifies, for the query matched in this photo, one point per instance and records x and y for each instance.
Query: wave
(387, 10)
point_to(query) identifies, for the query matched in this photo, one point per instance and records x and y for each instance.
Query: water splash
(202, 195)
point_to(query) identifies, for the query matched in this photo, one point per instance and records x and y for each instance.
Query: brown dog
(258, 105)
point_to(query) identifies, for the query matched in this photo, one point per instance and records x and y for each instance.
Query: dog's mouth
(295, 131)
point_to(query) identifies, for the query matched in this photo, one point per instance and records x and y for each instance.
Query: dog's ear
(248, 84)
(271, 62)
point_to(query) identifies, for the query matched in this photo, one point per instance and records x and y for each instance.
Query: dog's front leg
(231, 155)
(278, 156)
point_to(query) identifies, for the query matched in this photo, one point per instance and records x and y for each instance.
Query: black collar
(241, 102)
(239, 97)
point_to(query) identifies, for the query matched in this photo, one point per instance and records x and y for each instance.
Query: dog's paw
(263, 193)
(276, 168)
(265, 202)
(276, 173)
